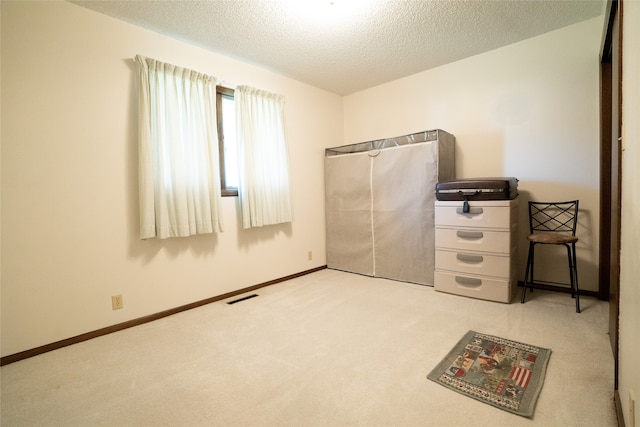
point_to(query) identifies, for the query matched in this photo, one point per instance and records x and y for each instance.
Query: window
(182, 176)
(226, 112)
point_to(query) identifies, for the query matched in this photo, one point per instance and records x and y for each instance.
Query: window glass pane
(229, 129)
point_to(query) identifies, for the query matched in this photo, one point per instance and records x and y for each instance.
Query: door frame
(611, 173)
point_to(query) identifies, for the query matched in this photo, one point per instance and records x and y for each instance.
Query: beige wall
(528, 110)
(629, 265)
(69, 180)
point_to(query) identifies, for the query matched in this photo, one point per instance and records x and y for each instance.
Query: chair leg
(528, 269)
(571, 276)
(532, 247)
(575, 277)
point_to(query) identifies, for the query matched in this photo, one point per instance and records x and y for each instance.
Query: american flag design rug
(500, 372)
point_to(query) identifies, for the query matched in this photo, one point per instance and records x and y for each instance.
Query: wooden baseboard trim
(555, 288)
(135, 322)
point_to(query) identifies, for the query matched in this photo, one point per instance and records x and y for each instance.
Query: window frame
(225, 92)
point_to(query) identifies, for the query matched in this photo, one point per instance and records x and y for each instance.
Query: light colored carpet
(326, 349)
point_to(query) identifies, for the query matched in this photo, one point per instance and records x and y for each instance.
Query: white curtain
(179, 175)
(263, 166)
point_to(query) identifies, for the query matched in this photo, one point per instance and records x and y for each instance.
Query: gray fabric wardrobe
(380, 198)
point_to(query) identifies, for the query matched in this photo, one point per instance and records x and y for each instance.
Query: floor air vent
(242, 299)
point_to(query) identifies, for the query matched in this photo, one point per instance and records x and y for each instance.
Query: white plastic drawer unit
(474, 263)
(492, 289)
(476, 248)
(490, 214)
(496, 241)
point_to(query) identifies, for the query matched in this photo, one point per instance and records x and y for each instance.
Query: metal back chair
(553, 223)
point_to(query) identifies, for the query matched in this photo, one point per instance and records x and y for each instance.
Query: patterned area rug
(503, 373)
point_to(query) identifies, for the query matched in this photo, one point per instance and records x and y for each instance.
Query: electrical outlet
(310, 255)
(116, 302)
(632, 409)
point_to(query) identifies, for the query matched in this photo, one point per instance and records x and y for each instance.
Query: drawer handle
(470, 258)
(468, 281)
(470, 234)
(471, 211)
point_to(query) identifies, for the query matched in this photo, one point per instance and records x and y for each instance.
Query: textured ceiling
(344, 46)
